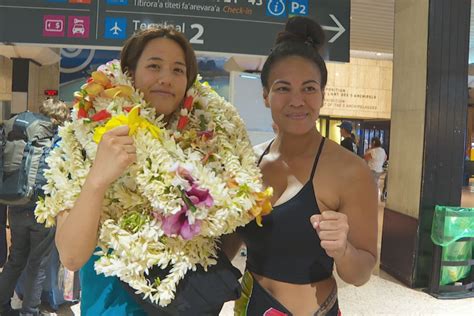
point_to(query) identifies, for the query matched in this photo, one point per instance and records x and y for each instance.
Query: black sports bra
(287, 247)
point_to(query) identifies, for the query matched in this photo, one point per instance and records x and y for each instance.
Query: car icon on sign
(78, 27)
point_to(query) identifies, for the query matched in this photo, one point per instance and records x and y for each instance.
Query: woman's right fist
(115, 153)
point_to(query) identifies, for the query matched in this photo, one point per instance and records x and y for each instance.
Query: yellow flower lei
(210, 145)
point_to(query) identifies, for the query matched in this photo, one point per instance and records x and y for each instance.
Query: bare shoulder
(344, 179)
(340, 168)
(260, 148)
(342, 159)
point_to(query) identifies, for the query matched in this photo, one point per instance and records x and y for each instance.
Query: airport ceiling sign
(223, 26)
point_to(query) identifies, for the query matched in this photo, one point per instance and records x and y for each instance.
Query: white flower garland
(204, 173)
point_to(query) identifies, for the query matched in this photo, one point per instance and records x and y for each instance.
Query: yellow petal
(98, 133)
(93, 89)
(100, 78)
(258, 220)
(154, 130)
(266, 207)
(111, 124)
(118, 91)
(256, 210)
(134, 115)
(133, 120)
(123, 119)
(125, 91)
(111, 93)
(116, 121)
(265, 194)
(269, 191)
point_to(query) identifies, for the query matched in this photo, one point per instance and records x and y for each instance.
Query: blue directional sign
(115, 28)
(206, 23)
(299, 7)
(117, 2)
(276, 8)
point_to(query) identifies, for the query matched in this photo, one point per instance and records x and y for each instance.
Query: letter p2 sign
(299, 7)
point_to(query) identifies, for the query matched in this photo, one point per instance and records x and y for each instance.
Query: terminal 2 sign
(221, 26)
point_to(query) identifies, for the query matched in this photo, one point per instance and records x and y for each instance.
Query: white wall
(246, 95)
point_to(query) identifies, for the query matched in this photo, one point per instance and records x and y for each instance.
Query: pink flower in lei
(199, 197)
(179, 224)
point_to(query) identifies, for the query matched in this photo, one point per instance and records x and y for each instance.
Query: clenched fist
(332, 229)
(115, 153)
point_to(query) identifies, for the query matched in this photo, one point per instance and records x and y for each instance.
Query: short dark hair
(302, 37)
(135, 45)
(376, 142)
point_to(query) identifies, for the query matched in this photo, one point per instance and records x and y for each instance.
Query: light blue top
(105, 296)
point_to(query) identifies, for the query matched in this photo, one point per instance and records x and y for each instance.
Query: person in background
(318, 222)
(3, 234)
(31, 242)
(3, 222)
(375, 158)
(347, 142)
(354, 143)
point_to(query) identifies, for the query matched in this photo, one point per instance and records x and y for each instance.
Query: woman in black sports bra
(325, 201)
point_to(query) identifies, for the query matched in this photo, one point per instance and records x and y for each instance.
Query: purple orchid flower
(200, 197)
(178, 224)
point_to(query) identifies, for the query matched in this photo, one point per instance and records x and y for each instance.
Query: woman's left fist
(332, 229)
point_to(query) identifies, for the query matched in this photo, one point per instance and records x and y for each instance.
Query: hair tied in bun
(302, 37)
(309, 41)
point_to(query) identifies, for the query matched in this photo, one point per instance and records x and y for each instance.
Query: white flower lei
(131, 237)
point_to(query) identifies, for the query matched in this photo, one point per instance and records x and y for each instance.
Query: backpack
(25, 140)
(40, 180)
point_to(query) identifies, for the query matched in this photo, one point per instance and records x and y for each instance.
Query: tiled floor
(382, 295)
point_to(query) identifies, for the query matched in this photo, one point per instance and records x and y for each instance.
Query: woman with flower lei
(151, 184)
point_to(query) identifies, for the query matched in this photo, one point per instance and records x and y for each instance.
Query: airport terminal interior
(400, 72)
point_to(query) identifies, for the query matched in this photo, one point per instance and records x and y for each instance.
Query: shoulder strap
(265, 152)
(317, 157)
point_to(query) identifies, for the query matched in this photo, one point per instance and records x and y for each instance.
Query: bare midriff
(299, 299)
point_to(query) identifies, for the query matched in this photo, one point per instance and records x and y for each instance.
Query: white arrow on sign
(339, 28)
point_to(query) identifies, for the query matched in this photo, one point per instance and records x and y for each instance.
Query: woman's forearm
(76, 236)
(355, 266)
